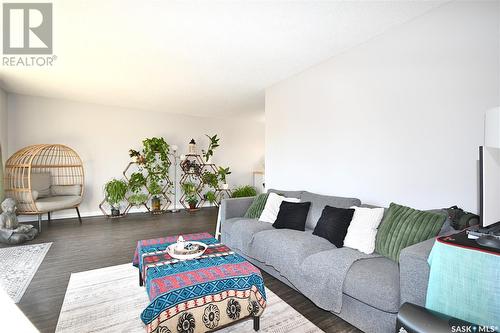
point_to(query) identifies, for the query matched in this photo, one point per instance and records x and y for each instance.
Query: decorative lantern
(192, 147)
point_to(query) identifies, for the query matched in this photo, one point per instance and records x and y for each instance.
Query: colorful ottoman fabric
(198, 295)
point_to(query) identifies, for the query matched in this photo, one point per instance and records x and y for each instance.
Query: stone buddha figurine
(11, 232)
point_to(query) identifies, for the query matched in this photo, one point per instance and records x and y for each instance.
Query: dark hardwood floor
(100, 242)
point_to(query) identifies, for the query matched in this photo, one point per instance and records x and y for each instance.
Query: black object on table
(462, 240)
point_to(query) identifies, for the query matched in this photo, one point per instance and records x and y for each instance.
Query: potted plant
(191, 193)
(210, 179)
(115, 191)
(192, 201)
(155, 189)
(213, 143)
(136, 156)
(222, 173)
(244, 191)
(156, 163)
(156, 156)
(211, 197)
(136, 184)
(137, 199)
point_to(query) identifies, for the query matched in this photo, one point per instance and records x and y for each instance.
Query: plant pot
(115, 212)
(224, 186)
(192, 205)
(156, 204)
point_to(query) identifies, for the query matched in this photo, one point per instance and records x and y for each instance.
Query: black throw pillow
(333, 224)
(292, 215)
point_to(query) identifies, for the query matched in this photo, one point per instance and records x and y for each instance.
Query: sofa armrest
(234, 207)
(414, 272)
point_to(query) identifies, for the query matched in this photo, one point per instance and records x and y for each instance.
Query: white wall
(103, 135)
(399, 118)
(3, 137)
(3, 124)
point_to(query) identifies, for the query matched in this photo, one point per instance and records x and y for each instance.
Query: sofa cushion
(272, 207)
(292, 215)
(288, 194)
(50, 204)
(241, 232)
(285, 249)
(404, 226)
(318, 202)
(374, 282)
(363, 229)
(257, 206)
(333, 224)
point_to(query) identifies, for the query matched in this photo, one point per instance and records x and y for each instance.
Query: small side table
(463, 276)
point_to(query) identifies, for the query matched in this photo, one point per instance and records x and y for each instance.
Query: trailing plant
(222, 173)
(210, 179)
(136, 182)
(153, 148)
(244, 191)
(154, 186)
(210, 196)
(156, 163)
(138, 198)
(214, 143)
(115, 191)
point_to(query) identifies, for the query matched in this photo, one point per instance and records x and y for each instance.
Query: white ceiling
(209, 58)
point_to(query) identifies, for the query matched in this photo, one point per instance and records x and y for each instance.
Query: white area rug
(18, 266)
(110, 300)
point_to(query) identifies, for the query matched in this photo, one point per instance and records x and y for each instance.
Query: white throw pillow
(362, 231)
(272, 207)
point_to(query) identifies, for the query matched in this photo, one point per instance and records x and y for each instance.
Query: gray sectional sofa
(364, 290)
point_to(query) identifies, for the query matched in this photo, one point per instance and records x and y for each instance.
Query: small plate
(187, 254)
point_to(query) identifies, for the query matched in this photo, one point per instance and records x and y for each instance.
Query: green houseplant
(213, 143)
(156, 163)
(191, 193)
(156, 156)
(210, 179)
(137, 199)
(222, 173)
(211, 197)
(244, 191)
(136, 184)
(155, 189)
(114, 192)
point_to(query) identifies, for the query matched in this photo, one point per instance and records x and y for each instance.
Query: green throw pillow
(257, 206)
(405, 226)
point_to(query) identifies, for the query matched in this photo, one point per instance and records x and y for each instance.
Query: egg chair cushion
(25, 197)
(66, 190)
(50, 204)
(40, 182)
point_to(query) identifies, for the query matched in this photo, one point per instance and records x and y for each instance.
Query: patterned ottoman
(198, 295)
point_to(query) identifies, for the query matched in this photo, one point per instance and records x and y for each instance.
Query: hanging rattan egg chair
(45, 178)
